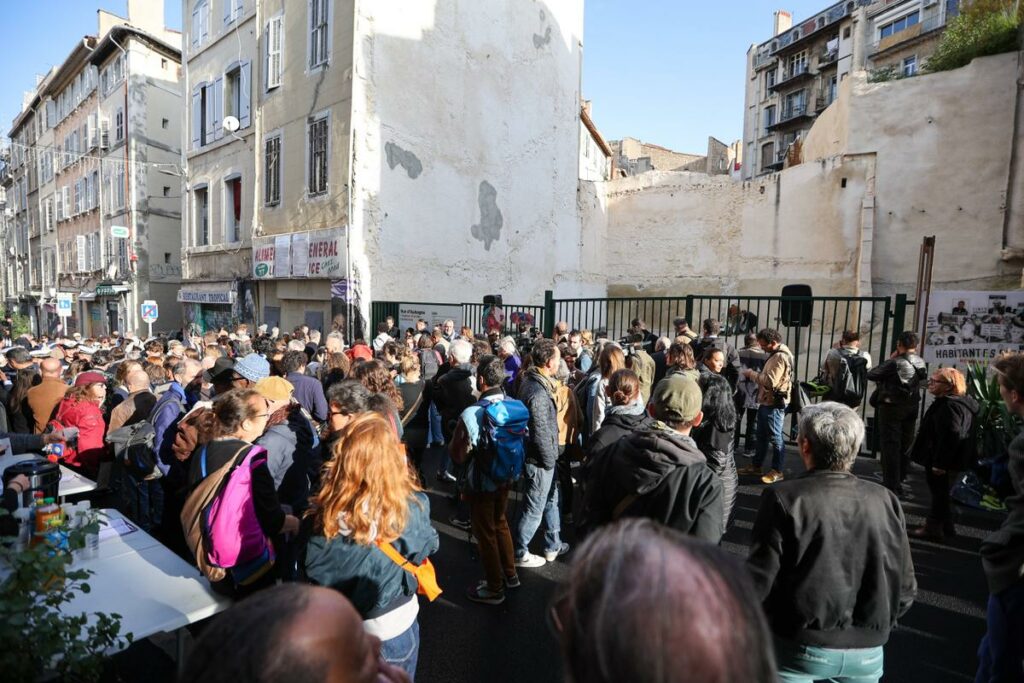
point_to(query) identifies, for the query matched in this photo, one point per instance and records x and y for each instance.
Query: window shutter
(104, 133)
(197, 117)
(80, 245)
(196, 28)
(60, 205)
(211, 113)
(228, 10)
(245, 94)
(218, 111)
(274, 52)
(96, 259)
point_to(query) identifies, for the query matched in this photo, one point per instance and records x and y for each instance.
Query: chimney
(147, 15)
(783, 21)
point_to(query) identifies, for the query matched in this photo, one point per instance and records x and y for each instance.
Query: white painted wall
(477, 103)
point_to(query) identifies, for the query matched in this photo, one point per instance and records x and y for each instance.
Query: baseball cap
(90, 378)
(274, 388)
(676, 399)
(253, 367)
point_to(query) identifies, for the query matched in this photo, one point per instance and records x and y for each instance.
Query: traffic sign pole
(150, 313)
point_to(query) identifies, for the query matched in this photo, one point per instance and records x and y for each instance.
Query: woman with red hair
(944, 446)
(369, 499)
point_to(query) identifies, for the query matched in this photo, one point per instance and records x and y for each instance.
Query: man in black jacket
(453, 391)
(900, 380)
(537, 392)
(830, 557)
(659, 473)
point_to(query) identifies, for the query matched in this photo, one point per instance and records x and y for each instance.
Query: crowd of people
(634, 443)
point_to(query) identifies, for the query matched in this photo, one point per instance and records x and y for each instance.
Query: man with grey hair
(454, 390)
(830, 557)
(335, 342)
(508, 352)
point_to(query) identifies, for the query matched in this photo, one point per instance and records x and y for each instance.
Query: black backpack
(851, 379)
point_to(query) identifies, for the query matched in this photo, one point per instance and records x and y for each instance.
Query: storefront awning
(87, 296)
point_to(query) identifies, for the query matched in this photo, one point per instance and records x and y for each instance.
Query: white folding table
(153, 589)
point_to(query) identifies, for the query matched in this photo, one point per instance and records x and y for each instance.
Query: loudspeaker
(796, 313)
(492, 300)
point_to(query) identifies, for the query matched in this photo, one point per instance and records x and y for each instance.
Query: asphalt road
(463, 641)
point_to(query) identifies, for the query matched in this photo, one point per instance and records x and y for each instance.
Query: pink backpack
(232, 535)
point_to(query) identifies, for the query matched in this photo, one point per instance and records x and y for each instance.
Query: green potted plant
(995, 425)
(42, 641)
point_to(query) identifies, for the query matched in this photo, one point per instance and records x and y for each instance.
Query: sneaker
(512, 581)
(530, 560)
(458, 523)
(772, 477)
(552, 555)
(481, 593)
(445, 475)
(990, 502)
(749, 453)
(749, 470)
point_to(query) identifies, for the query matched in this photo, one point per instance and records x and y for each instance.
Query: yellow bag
(426, 577)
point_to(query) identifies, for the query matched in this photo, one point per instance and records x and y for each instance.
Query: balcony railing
(828, 56)
(799, 72)
(793, 112)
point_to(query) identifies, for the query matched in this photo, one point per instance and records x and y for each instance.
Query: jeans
(1002, 649)
(493, 537)
(403, 650)
(140, 501)
(896, 423)
(806, 664)
(748, 433)
(540, 500)
(434, 433)
(769, 430)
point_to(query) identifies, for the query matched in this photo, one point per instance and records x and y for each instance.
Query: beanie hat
(253, 367)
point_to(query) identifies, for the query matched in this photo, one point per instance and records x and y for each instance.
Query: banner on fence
(964, 327)
(434, 314)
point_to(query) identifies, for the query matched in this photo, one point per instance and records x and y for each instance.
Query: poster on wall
(326, 254)
(282, 256)
(964, 327)
(434, 314)
(300, 253)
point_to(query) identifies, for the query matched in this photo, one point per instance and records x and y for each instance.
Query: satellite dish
(231, 124)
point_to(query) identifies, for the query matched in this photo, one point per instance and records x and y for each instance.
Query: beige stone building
(350, 154)
(795, 75)
(92, 142)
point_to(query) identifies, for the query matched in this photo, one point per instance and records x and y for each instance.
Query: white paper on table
(111, 528)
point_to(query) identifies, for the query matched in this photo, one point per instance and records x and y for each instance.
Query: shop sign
(263, 258)
(319, 254)
(220, 297)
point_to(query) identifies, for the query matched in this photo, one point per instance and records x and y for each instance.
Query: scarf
(545, 381)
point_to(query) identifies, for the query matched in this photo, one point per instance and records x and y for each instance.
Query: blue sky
(666, 71)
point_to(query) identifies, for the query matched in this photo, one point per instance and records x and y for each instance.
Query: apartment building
(89, 151)
(795, 75)
(285, 96)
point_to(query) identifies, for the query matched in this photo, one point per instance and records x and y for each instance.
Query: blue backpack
(500, 452)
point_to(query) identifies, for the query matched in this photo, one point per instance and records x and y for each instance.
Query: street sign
(119, 232)
(64, 302)
(150, 312)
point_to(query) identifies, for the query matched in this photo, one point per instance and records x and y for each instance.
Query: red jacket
(88, 417)
(359, 351)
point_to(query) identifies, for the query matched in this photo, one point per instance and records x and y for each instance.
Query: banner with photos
(964, 327)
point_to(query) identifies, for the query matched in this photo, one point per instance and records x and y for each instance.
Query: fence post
(549, 313)
(899, 319)
(689, 312)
